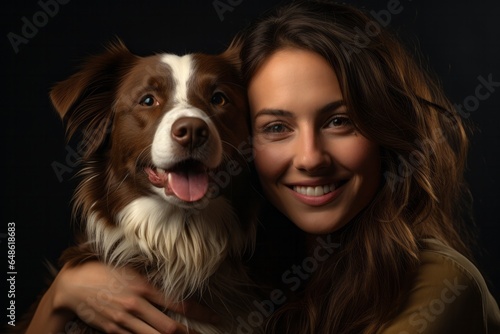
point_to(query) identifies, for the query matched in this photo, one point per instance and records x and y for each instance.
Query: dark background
(459, 40)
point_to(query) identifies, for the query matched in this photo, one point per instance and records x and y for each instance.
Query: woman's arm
(47, 317)
(111, 300)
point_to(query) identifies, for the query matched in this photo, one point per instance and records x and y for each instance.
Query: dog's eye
(219, 99)
(148, 101)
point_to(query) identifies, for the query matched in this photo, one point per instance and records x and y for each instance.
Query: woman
(365, 119)
(353, 142)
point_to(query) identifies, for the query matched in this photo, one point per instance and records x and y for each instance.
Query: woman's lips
(317, 195)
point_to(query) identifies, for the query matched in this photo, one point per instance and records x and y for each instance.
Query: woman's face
(312, 164)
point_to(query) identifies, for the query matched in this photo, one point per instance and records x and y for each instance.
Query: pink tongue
(189, 185)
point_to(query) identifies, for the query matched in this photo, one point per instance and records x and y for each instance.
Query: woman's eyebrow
(332, 106)
(285, 113)
(274, 112)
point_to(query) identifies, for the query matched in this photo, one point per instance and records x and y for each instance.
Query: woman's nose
(310, 153)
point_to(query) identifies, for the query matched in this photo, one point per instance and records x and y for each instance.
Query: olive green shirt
(449, 295)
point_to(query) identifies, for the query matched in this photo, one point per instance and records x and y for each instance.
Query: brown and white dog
(165, 185)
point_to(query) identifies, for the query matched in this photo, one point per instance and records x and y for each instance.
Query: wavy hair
(394, 102)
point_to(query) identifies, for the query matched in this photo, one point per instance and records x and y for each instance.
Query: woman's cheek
(357, 154)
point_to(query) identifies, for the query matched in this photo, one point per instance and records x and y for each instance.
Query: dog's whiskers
(144, 151)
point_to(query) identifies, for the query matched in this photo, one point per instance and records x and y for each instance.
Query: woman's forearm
(49, 317)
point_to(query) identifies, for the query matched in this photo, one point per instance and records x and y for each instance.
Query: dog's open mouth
(187, 180)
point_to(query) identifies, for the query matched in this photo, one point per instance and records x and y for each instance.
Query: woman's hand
(111, 300)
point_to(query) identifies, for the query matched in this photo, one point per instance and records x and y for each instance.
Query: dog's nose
(190, 132)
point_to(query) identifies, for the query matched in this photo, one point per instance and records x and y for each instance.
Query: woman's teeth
(314, 191)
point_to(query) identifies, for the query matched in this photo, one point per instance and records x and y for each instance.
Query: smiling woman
(331, 119)
(313, 164)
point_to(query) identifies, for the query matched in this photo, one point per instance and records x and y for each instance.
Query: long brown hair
(395, 103)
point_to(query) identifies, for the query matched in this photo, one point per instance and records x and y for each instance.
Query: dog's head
(174, 125)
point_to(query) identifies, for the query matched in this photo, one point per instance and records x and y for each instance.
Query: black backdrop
(43, 41)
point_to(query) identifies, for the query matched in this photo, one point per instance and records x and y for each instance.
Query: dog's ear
(85, 100)
(232, 53)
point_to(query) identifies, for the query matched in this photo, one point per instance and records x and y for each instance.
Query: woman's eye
(339, 121)
(275, 128)
(219, 99)
(148, 101)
